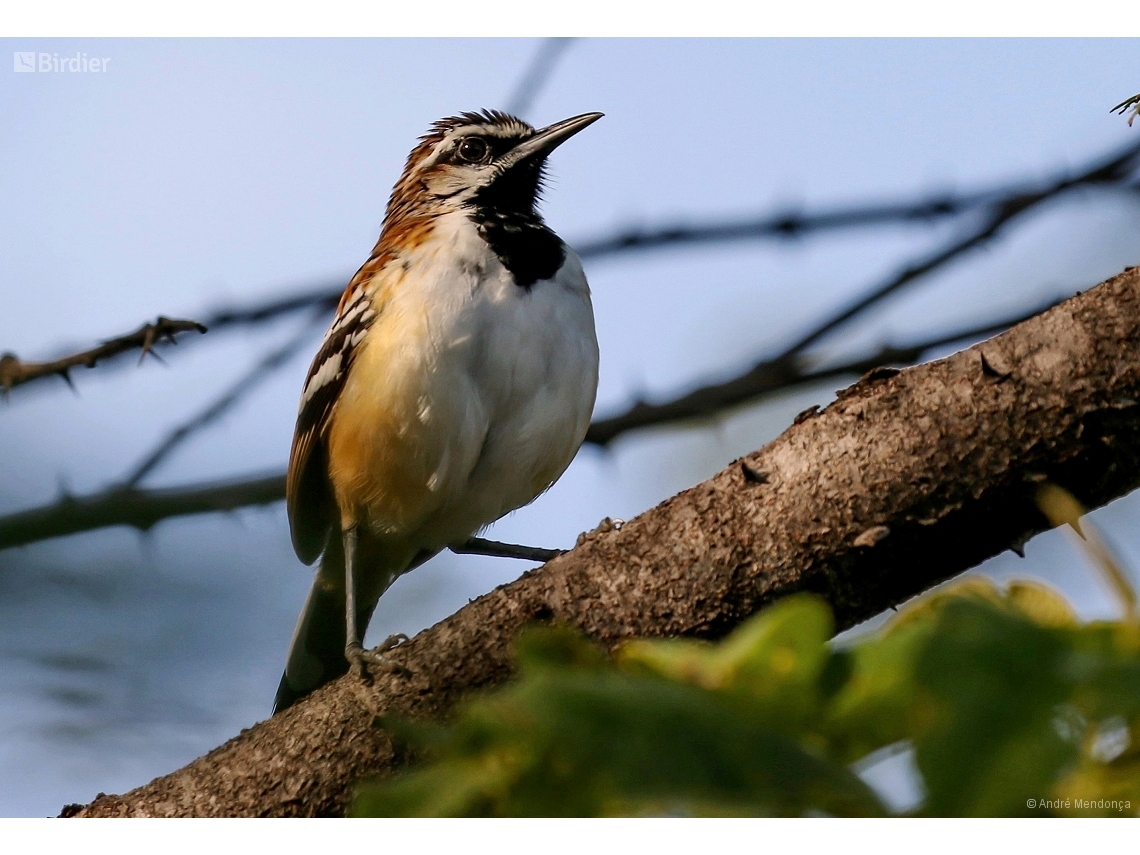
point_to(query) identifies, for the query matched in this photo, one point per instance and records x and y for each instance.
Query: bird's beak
(549, 138)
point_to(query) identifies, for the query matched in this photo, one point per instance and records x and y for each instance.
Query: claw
(359, 659)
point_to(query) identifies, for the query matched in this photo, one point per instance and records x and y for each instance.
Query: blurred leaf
(1041, 604)
(1061, 507)
(1003, 694)
(872, 710)
(778, 659)
(1103, 788)
(992, 676)
(578, 742)
(556, 646)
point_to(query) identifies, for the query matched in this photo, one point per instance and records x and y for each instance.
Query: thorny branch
(143, 508)
(15, 372)
(995, 205)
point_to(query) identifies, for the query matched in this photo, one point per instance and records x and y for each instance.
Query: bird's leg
(354, 651)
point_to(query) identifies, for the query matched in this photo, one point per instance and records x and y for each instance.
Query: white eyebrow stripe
(494, 130)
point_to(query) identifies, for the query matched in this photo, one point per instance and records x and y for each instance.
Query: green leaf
(578, 742)
(1004, 695)
(780, 659)
(993, 680)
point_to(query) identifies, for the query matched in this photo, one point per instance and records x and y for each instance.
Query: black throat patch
(523, 243)
(507, 219)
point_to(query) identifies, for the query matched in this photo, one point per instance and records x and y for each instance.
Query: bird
(454, 385)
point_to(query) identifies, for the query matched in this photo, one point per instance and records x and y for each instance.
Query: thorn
(870, 537)
(994, 365)
(810, 412)
(66, 375)
(148, 341)
(877, 375)
(752, 475)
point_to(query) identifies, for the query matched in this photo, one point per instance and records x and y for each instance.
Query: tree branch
(900, 483)
(14, 372)
(791, 224)
(323, 298)
(139, 509)
(780, 374)
(1115, 170)
(144, 508)
(537, 75)
(1002, 205)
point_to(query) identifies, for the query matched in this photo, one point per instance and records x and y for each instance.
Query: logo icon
(24, 60)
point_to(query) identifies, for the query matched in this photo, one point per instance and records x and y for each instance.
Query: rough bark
(908, 478)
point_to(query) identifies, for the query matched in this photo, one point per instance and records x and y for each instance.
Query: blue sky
(195, 174)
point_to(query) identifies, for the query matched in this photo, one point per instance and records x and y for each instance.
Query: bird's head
(487, 159)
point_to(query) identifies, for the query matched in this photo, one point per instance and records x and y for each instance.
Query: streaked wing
(308, 493)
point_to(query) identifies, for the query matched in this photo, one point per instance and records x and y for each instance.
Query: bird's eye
(473, 150)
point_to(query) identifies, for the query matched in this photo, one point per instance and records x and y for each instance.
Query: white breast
(478, 392)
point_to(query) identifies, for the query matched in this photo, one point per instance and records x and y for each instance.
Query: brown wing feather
(308, 493)
(308, 496)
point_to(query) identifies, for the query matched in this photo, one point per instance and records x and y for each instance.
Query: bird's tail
(316, 654)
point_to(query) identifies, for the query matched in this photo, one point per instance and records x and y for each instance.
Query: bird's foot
(359, 659)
